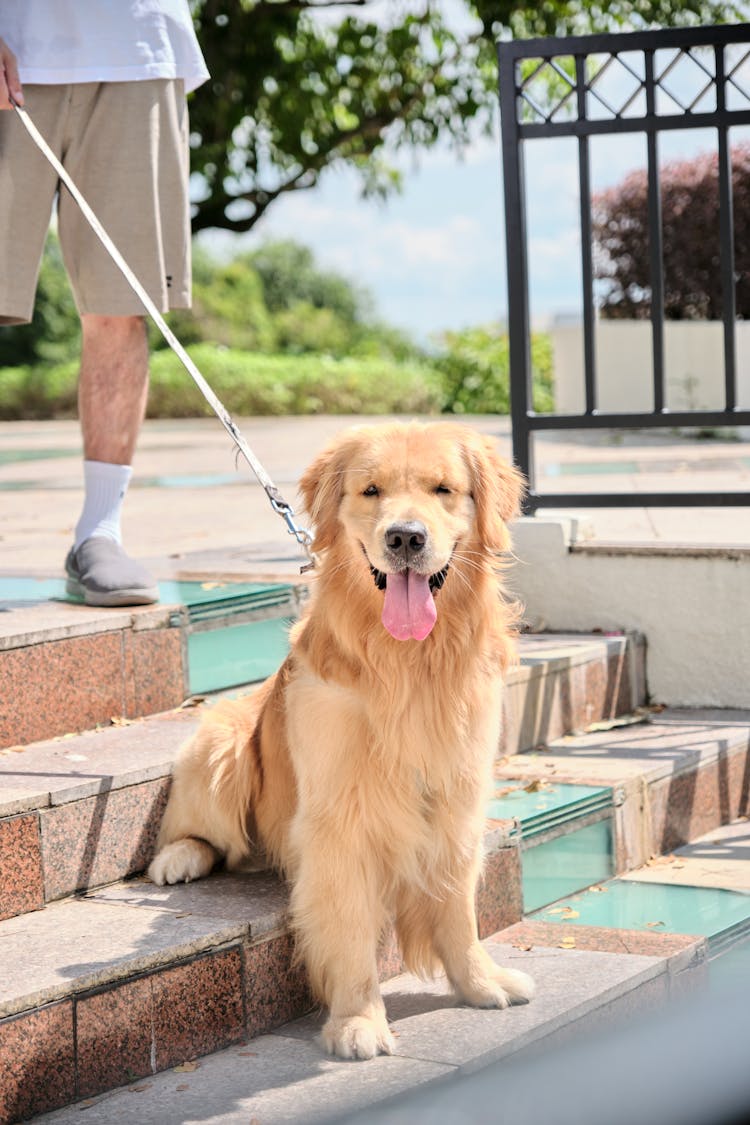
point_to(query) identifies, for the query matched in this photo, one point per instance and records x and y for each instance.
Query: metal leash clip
(301, 534)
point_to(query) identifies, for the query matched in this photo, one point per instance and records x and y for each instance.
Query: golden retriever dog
(362, 767)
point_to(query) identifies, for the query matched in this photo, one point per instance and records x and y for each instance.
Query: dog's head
(409, 502)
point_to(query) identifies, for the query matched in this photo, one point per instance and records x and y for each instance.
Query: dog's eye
(371, 490)
(442, 489)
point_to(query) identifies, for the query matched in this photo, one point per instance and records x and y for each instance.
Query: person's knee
(113, 328)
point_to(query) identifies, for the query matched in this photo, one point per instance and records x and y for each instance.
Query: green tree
(290, 274)
(229, 307)
(54, 332)
(295, 90)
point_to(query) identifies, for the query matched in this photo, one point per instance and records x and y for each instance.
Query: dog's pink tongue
(409, 608)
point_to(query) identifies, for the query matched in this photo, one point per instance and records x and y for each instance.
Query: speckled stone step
(284, 1076)
(66, 667)
(82, 810)
(132, 978)
(674, 776)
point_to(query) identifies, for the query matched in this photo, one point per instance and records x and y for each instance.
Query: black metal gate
(576, 65)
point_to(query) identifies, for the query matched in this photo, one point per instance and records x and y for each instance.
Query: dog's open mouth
(409, 611)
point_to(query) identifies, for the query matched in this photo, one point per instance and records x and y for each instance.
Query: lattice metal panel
(581, 87)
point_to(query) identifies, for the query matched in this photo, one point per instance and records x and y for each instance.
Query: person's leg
(129, 156)
(112, 393)
(113, 386)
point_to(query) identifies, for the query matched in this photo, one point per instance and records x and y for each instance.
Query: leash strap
(278, 503)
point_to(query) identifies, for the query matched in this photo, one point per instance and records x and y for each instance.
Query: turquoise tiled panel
(16, 591)
(201, 598)
(237, 654)
(546, 807)
(566, 863)
(661, 907)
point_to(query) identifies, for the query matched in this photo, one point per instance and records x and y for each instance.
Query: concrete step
(68, 667)
(106, 967)
(131, 979)
(285, 1077)
(674, 775)
(83, 810)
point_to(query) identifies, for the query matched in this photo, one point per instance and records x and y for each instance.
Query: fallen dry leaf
(182, 1086)
(568, 942)
(522, 945)
(248, 1054)
(653, 924)
(659, 860)
(140, 1089)
(536, 785)
(186, 1067)
(193, 701)
(120, 721)
(569, 912)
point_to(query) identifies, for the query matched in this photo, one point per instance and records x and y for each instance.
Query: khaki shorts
(125, 144)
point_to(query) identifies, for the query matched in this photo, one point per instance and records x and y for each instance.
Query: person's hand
(10, 83)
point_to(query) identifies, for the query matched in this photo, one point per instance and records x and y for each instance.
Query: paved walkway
(190, 495)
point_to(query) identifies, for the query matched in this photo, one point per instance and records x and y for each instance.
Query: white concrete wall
(692, 605)
(693, 365)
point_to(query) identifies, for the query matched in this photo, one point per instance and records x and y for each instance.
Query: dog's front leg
(337, 920)
(469, 967)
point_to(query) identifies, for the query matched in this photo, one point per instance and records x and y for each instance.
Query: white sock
(105, 487)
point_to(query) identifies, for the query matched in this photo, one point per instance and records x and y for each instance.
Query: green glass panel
(22, 591)
(660, 907)
(237, 654)
(197, 595)
(14, 456)
(566, 863)
(546, 806)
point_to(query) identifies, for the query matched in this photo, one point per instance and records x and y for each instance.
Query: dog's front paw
(182, 861)
(358, 1037)
(500, 989)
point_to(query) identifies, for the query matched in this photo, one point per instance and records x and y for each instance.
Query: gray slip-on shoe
(101, 573)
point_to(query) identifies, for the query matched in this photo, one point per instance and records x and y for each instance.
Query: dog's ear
(322, 487)
(497, 488)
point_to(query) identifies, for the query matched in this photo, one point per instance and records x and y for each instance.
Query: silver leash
(277, 501)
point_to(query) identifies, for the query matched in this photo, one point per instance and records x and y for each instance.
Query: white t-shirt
(61, 41)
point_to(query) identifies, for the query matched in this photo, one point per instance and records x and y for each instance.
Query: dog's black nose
(406, 539)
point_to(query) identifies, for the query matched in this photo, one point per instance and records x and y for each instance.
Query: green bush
(228, 308)
(475, 369)
(253, 384)
(38, 391)
(247, 383)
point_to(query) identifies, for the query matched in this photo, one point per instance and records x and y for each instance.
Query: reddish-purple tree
(690, 238)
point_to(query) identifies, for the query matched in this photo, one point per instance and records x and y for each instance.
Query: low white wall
(692, 605)
(693, 365)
